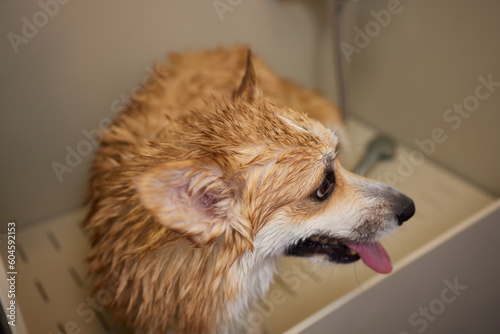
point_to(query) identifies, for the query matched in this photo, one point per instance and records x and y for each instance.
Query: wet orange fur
(176, 195)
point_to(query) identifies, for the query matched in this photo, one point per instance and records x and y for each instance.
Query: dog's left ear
(193, 198)
(247, 91)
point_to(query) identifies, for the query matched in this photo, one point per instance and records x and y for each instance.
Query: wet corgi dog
(216, 167)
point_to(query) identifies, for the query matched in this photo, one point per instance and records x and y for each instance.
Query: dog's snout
(406, 209)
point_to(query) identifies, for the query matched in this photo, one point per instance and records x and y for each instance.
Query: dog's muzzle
(347, 251)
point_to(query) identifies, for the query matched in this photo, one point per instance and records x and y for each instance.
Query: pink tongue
(374, 256)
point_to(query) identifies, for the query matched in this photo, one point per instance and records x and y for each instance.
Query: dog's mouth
(317, 245)
(337, 251)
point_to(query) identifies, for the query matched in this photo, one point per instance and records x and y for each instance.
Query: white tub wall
(65, 79)
(428, 58)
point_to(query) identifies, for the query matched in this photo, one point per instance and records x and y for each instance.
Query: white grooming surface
(53, 292)
(52, 288)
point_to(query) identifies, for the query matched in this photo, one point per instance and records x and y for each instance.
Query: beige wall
(427, 60)
(67, 76)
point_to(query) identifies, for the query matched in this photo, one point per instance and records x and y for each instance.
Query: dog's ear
(192, 198)
(247, 91)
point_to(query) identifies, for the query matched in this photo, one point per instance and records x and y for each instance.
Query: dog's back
(189, 79)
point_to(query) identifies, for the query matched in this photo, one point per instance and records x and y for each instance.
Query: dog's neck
(254, 278)
(186, 282)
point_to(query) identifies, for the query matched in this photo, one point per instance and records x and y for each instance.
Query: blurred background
(423, 72)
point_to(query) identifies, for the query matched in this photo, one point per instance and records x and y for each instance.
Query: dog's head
(252, 176)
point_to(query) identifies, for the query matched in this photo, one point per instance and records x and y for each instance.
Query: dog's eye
(326, 187)
(323, 189)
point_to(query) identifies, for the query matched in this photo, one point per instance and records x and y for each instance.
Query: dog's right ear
(247, 91)
(193, 198)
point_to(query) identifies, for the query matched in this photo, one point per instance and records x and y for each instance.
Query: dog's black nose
(407, 209)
